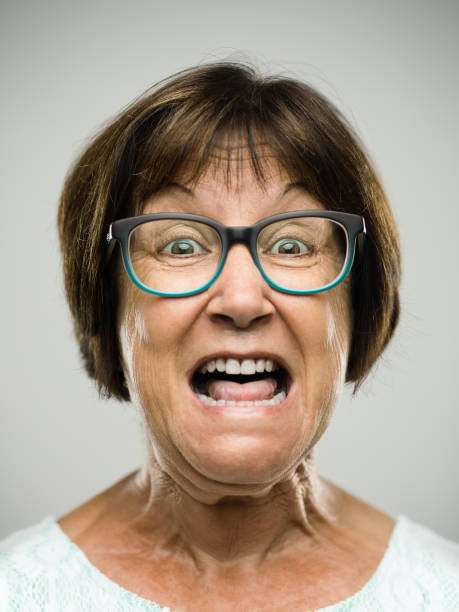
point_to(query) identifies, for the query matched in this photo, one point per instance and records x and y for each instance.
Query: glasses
(176, 255)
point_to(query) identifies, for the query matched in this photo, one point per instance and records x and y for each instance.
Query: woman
(217, 270)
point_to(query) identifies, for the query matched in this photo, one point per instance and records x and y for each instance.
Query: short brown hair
(181, 121)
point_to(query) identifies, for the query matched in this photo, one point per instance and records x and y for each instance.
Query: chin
(244, 460)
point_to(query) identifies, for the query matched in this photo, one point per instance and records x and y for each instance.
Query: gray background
(391, 67)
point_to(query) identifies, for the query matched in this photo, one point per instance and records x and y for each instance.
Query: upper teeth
(236, 366)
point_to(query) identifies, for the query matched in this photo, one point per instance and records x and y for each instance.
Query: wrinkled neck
(239, 529)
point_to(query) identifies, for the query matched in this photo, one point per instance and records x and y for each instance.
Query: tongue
(246, 392)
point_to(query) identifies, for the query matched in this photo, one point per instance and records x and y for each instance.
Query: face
(233, 449)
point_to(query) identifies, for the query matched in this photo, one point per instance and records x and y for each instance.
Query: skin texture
(226, 504)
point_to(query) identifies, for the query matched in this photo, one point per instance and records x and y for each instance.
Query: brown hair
(182, 120)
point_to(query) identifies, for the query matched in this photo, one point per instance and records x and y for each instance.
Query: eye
(183, 246)
(289, 246)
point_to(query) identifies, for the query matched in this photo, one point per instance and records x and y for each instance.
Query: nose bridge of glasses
(243, 235)
(240, 234)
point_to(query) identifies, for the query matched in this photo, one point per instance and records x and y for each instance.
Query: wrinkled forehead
(233, 157)
(233, 166)
(230, 166)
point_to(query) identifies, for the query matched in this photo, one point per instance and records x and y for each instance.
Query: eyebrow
(183, 188)
(300, 185)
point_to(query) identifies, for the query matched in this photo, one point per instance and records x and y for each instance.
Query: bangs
(225, 138)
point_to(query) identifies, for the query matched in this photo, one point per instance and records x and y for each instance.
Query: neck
(236, 529)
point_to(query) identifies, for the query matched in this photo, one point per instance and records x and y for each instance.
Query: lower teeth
(277, 399)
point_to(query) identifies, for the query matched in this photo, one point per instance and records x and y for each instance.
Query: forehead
(231, 187)
(234, 167)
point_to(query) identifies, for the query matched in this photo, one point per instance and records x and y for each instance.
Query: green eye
(288, 246)
(183, 246)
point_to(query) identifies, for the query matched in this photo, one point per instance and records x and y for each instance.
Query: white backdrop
(391, 67)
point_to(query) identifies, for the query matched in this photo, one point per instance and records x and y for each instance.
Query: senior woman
(230, 261)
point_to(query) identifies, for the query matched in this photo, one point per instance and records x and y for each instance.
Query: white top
(41, 569)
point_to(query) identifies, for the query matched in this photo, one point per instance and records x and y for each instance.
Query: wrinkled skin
(162, 340)
(223, 497)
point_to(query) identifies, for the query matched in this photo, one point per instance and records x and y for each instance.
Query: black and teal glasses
(176, 255)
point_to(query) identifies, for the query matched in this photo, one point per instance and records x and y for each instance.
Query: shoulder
(30, 560)
(420, 568)
(421, 545)
(42, 569)
(40, 544)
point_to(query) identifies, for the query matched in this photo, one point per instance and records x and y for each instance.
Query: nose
(240, 295)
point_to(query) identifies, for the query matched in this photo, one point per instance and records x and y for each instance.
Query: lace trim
(41, 568)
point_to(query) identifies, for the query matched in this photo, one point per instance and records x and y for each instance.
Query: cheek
(332, 366)
(152, 332)
(149, 329)
(143, 367)
(132, 332)
(136, 338)
(338, 336)
(323, 327)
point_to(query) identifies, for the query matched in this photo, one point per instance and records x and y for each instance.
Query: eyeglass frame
(354, 226)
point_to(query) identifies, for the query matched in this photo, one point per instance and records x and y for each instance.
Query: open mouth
(241, 382)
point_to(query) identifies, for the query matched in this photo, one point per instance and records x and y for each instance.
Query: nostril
(221, 318)
(238, 321)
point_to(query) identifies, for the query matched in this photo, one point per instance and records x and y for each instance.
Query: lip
(245, 412)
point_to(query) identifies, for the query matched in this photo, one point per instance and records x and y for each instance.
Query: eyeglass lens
(178, 255)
